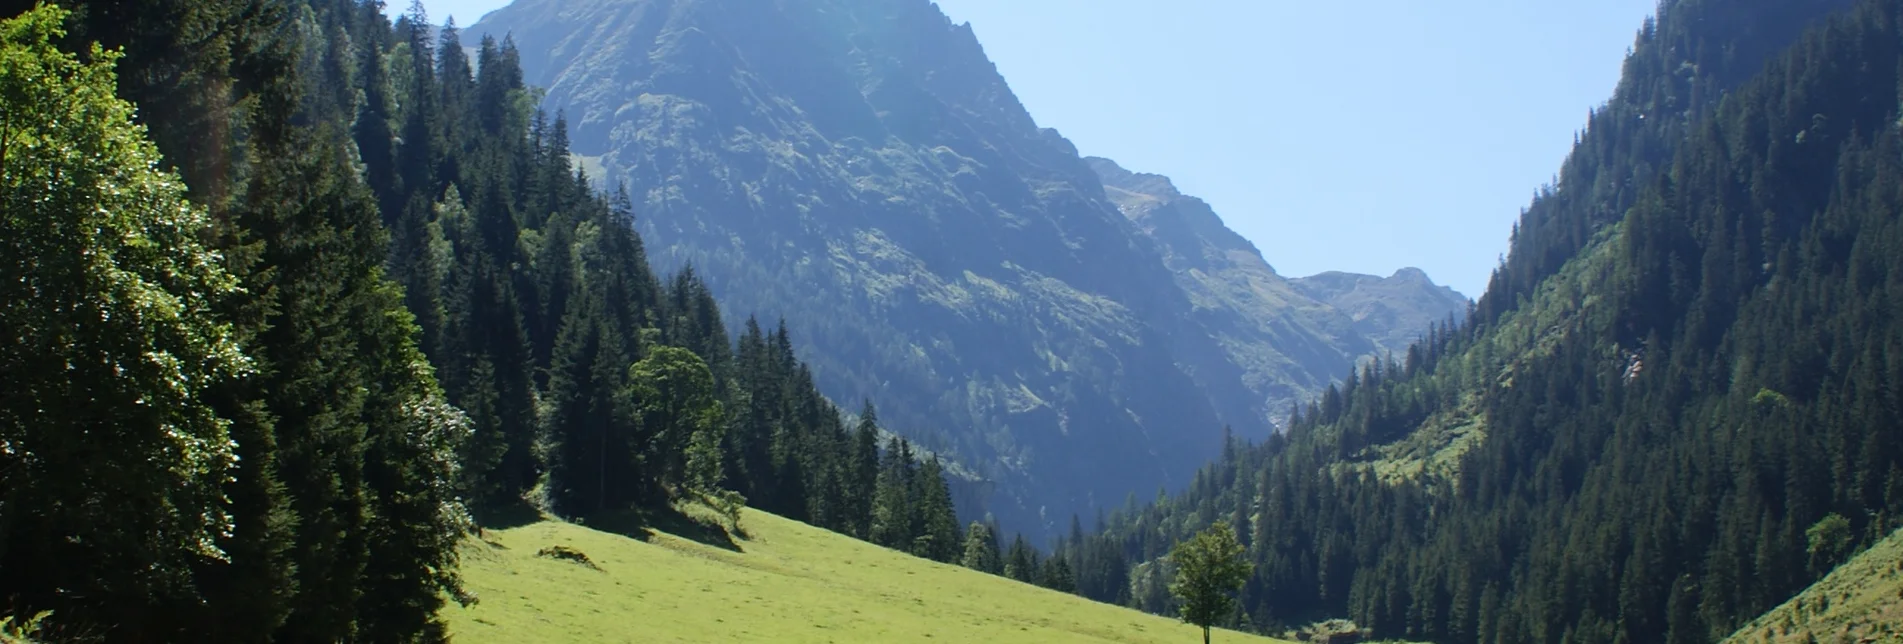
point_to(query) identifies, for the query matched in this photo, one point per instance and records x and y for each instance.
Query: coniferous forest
(266, 371)
(1682, 387)
(299, 299)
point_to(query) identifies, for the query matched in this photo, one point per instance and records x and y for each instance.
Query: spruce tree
(863, 468)
(981, 549)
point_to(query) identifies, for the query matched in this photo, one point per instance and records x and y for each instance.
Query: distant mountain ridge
(1291, 336)
(1390, 311)
(861, 169)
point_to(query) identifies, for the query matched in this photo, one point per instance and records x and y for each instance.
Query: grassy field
(1862, 601)
(783, 582)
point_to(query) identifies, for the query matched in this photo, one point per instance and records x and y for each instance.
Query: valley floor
(784, 582)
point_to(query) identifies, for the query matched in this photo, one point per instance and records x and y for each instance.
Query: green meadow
(1861, 601)
(782, 581)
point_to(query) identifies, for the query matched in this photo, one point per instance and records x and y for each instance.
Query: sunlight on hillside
(1862, 601)
(785, 582)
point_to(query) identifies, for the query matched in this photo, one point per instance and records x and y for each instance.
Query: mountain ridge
(1673, 407)
(957, 263)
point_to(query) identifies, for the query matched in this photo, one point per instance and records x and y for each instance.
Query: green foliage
(1829, 542)
(22, 631)
(1210, 567)
(678, 419)
(1022, 562)
(953, 260)
(1688, 361)
(981, 549)
(112, 458)
(1859, 598)
(730, 505)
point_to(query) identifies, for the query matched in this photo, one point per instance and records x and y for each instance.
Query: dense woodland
(265, 371)
(1689, 372)
(412, 312)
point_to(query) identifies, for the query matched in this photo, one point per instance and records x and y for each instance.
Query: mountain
(1390, 311)
(861, 169)
(1291, 337)
(1674, 408)
(1861, 601)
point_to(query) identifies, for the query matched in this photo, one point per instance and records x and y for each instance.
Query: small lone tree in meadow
(1209, 569)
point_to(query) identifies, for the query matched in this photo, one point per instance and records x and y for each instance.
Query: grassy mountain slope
(1861, 601)
(862, 169)
(784, 582)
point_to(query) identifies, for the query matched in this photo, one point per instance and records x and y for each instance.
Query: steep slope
(860, 168)
(784, 582)
(1689, 362)
(1861, 601)
(1292, 336)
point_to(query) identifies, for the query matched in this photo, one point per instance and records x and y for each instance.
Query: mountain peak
(1411, 274)
(861, 169)
(1116, 176)
(1392, 310)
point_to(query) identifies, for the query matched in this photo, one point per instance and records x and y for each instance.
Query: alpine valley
(783, 320)
(1067, 332)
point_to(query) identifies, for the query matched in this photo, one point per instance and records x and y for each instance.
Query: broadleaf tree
(1210, 568)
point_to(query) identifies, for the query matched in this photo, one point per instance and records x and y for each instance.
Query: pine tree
(587, 429)
(863, 466)
(981, 549)
(1021, 562)
(937, 523)
(892, 512)
(1057, 576)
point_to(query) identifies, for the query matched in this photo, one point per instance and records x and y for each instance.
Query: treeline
(409, 307)
(1081, 564)
(1685, 384)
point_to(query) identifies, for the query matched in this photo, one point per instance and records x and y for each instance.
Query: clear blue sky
(1362, 136)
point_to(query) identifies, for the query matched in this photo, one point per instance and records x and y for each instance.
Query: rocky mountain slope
(862, 169)
(1390, 311)
(1290, 336)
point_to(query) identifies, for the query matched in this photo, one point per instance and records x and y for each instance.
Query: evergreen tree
(1057, 576)
(864, 469)
(1021, 562)
(936, 522)
(981, 549)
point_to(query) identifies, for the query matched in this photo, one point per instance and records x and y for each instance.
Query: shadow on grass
(643, 524)
(503, 517)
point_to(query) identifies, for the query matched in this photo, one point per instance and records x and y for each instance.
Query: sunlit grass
(1862, 601)
(787, 582)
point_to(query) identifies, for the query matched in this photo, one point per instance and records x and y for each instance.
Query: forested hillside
(861, 168)
(265, 375)
(1677, 403)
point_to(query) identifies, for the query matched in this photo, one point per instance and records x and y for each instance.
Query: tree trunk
(1205, 635)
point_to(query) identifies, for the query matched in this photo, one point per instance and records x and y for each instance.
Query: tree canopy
(1210, 568)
